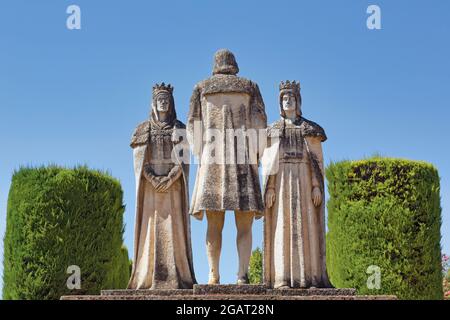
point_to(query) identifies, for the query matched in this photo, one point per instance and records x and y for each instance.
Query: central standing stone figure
(226, 113)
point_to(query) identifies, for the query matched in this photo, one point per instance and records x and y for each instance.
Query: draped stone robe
(294, 229)
(162, 246)
(227, 176)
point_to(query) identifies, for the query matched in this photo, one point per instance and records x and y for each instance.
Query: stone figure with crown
(293, 189)
(162, 242)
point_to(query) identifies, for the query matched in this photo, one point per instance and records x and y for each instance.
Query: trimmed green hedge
(58, 217)
(255, 270)
(385, 212)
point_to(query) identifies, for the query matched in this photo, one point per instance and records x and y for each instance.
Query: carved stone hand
(155, 181)
(317, 196)
(148, 174)
(164, 184)
(270, 197)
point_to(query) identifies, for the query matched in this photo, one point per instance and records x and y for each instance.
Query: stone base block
(231, 292)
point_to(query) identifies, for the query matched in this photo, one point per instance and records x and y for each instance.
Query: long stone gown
(163, 256)
(294, 229)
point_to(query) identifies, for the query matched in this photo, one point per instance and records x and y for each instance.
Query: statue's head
(290, 98)
(163, 102)
(225, 63)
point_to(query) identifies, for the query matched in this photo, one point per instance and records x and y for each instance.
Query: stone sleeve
(315, 147)
(148, 172)
(258, 116)
(194, 137)
(141, 135)
(175, 173)
(271, 182)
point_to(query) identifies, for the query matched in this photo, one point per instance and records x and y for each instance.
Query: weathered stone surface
(251, 289)
(162, 242)
(294, 220)
(221, 104)
(232, 289)
(311, 292)
(148, 292)
(228, 297)
(232, 292)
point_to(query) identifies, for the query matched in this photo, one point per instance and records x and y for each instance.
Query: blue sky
(75, 96)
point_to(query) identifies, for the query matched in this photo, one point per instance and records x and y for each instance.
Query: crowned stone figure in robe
(162, 242)
(226, 116)
(294, 220)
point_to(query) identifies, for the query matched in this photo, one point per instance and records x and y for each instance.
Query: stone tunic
(227, 176)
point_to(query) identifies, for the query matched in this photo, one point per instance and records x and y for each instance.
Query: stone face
(162, 246)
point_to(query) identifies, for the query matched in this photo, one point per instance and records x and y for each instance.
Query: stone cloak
(139, 143)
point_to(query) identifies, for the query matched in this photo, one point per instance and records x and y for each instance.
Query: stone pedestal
(231, 292)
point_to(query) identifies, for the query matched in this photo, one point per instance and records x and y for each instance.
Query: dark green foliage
(121, 271)
(59, 217)
(255, 267)
(385, 212)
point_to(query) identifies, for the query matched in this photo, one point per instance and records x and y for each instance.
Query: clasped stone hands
(160, 183)
(316, 197)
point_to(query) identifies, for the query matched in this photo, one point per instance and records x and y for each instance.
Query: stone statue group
(227, 131)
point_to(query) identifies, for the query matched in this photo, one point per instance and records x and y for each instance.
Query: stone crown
(288, 85)
(157, 88)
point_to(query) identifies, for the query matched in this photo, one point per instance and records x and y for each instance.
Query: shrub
(386, 213)
(446, 275)
(58, 217)
(255, 267)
